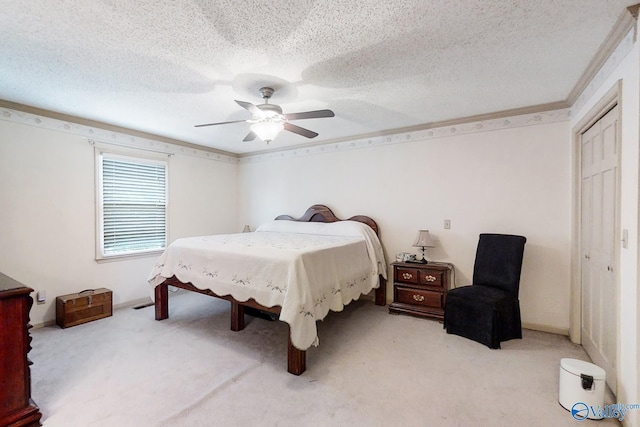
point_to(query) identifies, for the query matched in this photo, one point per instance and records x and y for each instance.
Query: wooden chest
(83, 307)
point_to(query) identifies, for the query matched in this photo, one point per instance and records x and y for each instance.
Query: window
(132, 205)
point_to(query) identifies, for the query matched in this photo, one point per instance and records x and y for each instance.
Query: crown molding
(526, 116)
(620, 31)
(433, 125)
(612, 62)
(105, 133)
(432, 131)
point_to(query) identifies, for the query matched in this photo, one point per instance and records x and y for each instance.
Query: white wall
(47, 219)
(628, 71)
(514, 180)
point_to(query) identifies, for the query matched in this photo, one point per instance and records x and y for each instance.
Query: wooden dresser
(420, 289)
(16, 407)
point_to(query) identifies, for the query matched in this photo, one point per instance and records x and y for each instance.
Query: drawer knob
(418, 298)
(430, 278)
(407, 276)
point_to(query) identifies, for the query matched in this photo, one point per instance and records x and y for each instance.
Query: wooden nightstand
(420, 289)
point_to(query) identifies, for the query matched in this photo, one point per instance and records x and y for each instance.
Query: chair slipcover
(488, 311)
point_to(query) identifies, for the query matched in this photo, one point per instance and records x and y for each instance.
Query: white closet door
(599, 213)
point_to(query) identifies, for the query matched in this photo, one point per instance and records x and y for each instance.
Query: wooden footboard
(296, 358)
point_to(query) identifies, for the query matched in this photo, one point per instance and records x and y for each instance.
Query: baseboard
(127, 304)
(44, 324)
(132, 303)
(545, 328)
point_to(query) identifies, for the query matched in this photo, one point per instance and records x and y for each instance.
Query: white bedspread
(306, 268)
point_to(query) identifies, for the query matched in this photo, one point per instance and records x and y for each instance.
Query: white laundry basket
(581, 387)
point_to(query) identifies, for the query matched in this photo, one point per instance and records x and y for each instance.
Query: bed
(297, 269)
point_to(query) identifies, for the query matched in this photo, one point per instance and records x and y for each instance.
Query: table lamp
(423, 241)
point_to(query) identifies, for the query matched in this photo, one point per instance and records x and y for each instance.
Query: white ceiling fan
(267, 119)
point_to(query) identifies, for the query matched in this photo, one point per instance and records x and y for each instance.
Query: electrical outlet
(447, 224)
(41, 297)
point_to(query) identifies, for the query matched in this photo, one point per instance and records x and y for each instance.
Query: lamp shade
(267, 129)
(424, 240)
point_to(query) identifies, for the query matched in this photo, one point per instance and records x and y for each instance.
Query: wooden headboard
(321, 213)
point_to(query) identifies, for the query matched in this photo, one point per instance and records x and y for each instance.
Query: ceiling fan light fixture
(267, 130)
(267, 120)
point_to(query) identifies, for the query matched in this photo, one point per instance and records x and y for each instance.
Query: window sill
(124, 257)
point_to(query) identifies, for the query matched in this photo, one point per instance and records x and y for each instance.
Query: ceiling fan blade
(250, 137)
(219, 123)
(309, 115)
(250, 107)
(300, 131)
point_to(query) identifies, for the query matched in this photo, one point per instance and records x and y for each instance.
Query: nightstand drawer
(407, 275)
(419, 297)
(430, 278)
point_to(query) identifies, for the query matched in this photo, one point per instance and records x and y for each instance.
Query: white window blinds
(133, 205)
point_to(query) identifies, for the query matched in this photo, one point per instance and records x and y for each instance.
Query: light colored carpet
(371, 368)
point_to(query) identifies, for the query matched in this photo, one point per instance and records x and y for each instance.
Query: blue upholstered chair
(488, 311)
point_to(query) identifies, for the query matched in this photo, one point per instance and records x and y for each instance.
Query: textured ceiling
(163, 66)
